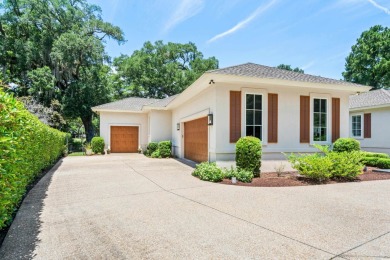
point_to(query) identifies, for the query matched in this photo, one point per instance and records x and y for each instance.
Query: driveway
(128, 206)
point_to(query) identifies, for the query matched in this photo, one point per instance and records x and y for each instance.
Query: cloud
(185, 10)
(308, 65)
(384, 9)
(261, 9)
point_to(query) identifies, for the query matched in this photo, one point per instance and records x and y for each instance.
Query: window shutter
(235, 116)
(367, 125)
(272, 118)
(305, 119)
(335, 119)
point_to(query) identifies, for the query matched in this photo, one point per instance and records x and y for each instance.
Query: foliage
(369, 60)
(347, 165)
(346, 145)
(155, 154)
(97, 144)
(151, 148)
(159, 70)
(377, 155)
(383, 163)
(165, 148)
(314, 166)
(288, 67)
(27, 147)
(241, 174)
(248, 154)
(370, 161)
(207, 171)
(75, 145)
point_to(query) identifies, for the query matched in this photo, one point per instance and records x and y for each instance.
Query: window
(254, 120)
(357, 126)
(320, 120)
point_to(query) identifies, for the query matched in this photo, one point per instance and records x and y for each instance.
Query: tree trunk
(88, 127)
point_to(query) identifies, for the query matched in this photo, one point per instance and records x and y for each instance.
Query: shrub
(156, 154)
(370, 161)
(346, 145)
(248, 154)
(207, 171)
(383, 163)
(151, 148)
(97, 144)
(346, 165)
(376, 155)
(165, 148)
(27, 147)
(76, 145)
(240, 174)
(314, 166)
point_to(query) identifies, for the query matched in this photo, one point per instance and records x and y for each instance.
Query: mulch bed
(271, 179)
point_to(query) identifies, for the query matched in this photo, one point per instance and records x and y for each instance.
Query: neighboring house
(370, 120)
(288, 111)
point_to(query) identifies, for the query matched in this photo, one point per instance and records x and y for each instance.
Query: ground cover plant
(27, 147)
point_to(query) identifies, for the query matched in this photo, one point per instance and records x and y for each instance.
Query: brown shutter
(335, 119)
(272, 118)
(367, 125)
(235, 116)
(305, 119)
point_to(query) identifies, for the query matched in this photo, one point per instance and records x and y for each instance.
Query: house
(288, 111)
(370, 120)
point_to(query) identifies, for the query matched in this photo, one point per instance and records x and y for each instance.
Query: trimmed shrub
(248, 154)
(370, 161)
(27, 147)
(151, 148)
(97, 144)
(347, 165)
(346, 145)
(156, 154)
(383, 163)
(207, 171)
(314, 166)
(377, 155)
(165, 148)
(240, 174)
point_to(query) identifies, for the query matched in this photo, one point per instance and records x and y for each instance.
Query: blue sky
(315, 35)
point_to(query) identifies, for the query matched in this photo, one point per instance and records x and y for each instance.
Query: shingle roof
(135, 104)
(261, 71)
(370, 99)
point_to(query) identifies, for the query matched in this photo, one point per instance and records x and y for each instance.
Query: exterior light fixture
(210, 119)
(178, 126)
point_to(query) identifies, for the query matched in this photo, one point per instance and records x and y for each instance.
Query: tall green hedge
(27, 146)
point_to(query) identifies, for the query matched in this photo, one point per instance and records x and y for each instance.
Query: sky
(315, 35)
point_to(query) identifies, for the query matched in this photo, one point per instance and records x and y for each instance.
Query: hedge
(376, 155)
(383, 163)
(248, 154)
(346, 145)
(27, 147)
(97, 144)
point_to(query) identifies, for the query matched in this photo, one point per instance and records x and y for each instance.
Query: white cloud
(261, 9)
(185, 10)
(308, 65)
(384, 9)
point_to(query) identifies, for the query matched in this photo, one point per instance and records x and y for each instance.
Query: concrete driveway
(129, 206)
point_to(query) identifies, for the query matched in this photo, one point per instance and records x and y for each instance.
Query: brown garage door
(196, 140)
(124, 139)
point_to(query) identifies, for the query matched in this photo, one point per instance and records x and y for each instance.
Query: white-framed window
(254, 115)
(357, 125)
(320, 120)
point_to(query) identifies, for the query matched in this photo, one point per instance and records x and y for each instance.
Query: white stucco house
(370, 120)
(288, 111)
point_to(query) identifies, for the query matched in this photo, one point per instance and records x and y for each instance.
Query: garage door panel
(196, 140)
(124, 139)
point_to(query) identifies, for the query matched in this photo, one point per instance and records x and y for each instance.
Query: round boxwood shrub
(248, 154)
(97, 144)
(207, 171)
(165, 148)
(346, 145)
(152, 147)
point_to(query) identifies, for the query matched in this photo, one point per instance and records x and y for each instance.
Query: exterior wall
(160, 125)
(380, 130)
(108, 119)
(288, 121)
(199, 106)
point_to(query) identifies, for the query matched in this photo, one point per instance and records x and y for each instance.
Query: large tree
(62, 37)
(288, 67)
(369, 61)
(159, 70)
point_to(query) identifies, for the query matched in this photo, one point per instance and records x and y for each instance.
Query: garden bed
(293, 179)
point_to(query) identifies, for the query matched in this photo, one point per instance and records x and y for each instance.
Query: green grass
(76, 154)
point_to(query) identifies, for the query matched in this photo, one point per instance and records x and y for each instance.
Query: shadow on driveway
(27, 222)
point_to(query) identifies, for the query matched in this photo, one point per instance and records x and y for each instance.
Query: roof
(261, 71)
(134, 104)
(373, 98)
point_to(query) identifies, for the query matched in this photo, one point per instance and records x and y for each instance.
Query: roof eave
(116, 110)
(370, 107)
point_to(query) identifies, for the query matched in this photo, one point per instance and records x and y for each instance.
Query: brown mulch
(271, 179)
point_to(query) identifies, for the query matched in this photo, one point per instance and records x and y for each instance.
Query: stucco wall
(108, 119)
(380, 130)
(160, 123)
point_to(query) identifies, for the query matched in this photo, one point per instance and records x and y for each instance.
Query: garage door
(124, 139)
(196, 140)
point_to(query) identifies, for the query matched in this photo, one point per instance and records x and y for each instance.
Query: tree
(369, 60)
(288, 67)
(62, 37)
(159, 70)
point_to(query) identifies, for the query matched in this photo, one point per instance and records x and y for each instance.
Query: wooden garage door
(124, 139)
(196, 140)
